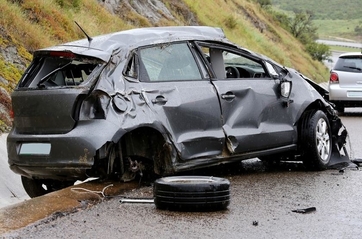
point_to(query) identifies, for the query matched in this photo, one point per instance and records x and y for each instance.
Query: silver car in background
(345, 82)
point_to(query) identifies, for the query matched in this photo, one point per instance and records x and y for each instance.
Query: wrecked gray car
(166, 100)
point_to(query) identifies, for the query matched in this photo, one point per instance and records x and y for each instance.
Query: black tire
(192, 193)
(316, 140)
(35, 187)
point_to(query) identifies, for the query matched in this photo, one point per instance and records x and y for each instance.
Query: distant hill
(324, 9)
(27, 25)
(335, 19)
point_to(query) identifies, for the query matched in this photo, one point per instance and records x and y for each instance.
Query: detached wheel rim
(323, 140)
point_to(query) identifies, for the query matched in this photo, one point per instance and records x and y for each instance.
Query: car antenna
(88, 37)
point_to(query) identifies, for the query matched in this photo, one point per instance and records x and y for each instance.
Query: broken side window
(131, 69)
(171, 62)
(230, 64)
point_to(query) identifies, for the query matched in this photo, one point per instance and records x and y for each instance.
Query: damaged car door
(254, 116)
(178, 91)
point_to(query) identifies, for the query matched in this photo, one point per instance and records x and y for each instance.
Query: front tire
(316, 140)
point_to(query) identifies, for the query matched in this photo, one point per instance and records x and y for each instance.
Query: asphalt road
(262, 204)
(11, 189)
(351, 44)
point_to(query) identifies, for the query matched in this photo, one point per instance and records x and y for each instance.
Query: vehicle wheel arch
(313, 106)
(149, 143)
(328, 110)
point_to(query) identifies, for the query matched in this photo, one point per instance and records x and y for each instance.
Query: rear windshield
(349, 64)
(47, 72)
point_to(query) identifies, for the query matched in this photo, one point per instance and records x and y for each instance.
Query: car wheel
(192, 193)
(316, 141)
(36, 187)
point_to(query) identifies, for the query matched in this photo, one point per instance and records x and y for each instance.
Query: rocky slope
(44, 23)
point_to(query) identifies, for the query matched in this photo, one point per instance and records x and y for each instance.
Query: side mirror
(285, 88)
(285, 91)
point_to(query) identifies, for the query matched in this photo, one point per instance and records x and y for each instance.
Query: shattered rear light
(11, 114)
(333, 78)
(95, 106)
(62, 54)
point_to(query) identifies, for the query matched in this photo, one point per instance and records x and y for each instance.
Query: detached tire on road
(316, 140)
(192, 193)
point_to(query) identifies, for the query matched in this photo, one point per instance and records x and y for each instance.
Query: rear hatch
(349, 70)
(51, 90)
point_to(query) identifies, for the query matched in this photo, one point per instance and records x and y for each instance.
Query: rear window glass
(349, 64)
(47, 72)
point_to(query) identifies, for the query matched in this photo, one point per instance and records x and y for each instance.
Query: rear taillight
(95, 106)
(333, 78)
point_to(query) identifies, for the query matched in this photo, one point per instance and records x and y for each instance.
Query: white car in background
(345, 82)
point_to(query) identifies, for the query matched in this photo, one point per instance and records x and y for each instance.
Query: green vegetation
(41, 24)
(339, 29)
(302, 28)
(343, 49)
(336, 19)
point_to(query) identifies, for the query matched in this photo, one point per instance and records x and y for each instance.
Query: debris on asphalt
(305, 210)
(84, 190)
(136, 200)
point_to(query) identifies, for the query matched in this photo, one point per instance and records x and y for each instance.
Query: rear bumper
(70, 154)
(345, 96)
(337, 93)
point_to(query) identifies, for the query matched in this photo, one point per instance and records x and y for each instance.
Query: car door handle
(228, 96)
(159, 100)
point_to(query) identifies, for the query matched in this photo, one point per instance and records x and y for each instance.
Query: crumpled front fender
(340, 156)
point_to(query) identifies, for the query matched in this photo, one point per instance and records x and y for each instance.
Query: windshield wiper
(353, 67)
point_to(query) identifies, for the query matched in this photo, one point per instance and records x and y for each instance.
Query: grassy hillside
(334, 18)
(42, 23)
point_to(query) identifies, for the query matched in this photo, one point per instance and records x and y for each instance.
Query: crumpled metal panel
(255, 118)
(194, 117)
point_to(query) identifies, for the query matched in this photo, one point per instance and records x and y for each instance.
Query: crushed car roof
(102, 46)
